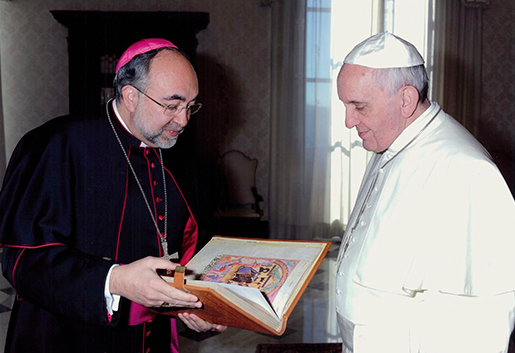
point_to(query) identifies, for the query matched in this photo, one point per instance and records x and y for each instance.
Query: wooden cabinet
(96, 39)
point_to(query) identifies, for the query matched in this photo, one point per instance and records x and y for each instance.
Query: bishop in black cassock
(71, 209)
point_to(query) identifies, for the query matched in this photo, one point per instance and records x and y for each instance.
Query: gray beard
(157, 138)
(160, 140)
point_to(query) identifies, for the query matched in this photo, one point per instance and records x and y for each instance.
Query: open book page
(253, 295)
(266, 274)
(277, 268)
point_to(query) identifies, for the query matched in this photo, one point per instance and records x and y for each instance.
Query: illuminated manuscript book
(252, 284)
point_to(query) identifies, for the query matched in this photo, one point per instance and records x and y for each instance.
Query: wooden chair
(239, 210)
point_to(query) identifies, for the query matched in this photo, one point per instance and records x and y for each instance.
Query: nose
(182, 118)
(350, 119)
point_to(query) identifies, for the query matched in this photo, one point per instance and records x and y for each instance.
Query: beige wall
(34, 69)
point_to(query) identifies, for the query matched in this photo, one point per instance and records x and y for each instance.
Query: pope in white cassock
(426, 262)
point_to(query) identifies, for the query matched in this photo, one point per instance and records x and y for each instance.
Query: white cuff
(112, 301)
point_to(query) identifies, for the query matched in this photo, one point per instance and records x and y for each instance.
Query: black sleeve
(60, 280)
(44, 256)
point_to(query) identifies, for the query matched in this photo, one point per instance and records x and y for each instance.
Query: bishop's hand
(140, 283)
(197, 324)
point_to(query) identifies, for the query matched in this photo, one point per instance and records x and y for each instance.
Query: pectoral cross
(166, 256)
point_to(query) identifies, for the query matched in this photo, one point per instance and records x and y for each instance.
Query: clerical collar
(414, 128)
(115, 109)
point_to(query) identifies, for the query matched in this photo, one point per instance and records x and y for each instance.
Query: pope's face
(171, 81)
(372, 110)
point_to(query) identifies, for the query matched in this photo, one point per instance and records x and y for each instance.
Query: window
(333, 28)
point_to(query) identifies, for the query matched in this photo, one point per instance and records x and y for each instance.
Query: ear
(409, 101)
(130, 98)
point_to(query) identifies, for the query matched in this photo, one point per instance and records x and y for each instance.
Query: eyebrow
(355, 102)
(179, 97)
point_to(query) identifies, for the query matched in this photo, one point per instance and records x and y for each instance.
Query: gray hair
(135, 72)
(394, 79)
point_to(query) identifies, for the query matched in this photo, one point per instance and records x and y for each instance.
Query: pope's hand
(197, 324)
(140, 283)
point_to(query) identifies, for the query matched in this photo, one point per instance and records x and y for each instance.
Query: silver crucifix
(167, 256)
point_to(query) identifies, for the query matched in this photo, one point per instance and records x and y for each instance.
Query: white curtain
(289, 174)
(313, 182)
(352, 22)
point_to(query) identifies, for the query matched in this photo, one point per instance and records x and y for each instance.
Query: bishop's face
(171, 81)
(372, 110)
(163, 137)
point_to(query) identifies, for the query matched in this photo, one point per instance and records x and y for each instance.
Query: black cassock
(70, 209)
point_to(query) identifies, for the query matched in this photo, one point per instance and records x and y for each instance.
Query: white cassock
(429, 264)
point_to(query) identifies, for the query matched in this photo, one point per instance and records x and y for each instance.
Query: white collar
(118, 116)
(414, 128)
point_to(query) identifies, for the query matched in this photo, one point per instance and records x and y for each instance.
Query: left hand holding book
(197, 324)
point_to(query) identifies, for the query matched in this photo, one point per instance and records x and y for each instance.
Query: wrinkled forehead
(356, 82)
(356, 74)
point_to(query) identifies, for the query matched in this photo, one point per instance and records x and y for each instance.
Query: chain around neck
(162, 236)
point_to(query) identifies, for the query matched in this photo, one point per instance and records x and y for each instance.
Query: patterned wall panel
(34, 68)
(497, 125)
(237, 41)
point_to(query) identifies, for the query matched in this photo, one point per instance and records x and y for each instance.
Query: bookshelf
(96, 39)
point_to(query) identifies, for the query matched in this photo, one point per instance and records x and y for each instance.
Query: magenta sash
(138, 314)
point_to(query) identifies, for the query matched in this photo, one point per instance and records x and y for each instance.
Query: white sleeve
(112, 301)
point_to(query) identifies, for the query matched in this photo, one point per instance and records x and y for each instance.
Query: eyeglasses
(174, 109)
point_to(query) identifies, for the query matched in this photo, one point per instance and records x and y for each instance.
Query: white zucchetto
(384, 51)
